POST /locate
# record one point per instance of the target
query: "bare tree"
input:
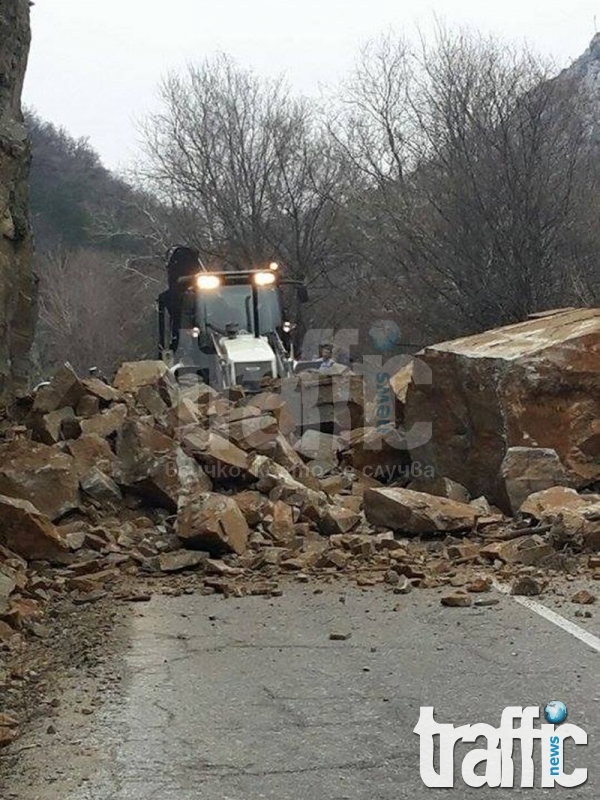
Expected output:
(471, 161)
(95, 310)
(243, 169)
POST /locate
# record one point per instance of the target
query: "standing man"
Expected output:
(325, 358)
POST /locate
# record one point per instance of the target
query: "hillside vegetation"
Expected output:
(452, 189)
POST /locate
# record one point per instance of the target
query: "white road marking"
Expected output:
(556, 619)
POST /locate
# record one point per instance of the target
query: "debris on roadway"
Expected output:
(137, 486)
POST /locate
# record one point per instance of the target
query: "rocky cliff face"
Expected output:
(17, 282)
(586, 69)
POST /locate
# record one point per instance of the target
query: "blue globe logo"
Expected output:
(555, 712)
(385, 335)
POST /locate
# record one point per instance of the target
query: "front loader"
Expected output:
(226, 328)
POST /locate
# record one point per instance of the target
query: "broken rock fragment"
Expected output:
(316, 445)
(526, 586)
(214, 523)
(416, 512)
(181, 559)
(457, 600)
(440, 487)
(526, 470)
(377, 452)
(102, 391)
(65, 389)
(275, 405)
(49, 427)
(254, 506)
(583, 597)
(28, 533)
(91, 451)
(253, 433)
(153, 466)
(99, 486)
(106, 422)
(574, 518)
(40, 474)
(133, 375)
(222, 460)
(337, 519)
(531, 550)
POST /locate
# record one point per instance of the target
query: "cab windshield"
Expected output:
(232, 305)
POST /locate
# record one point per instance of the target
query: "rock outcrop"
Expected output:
(586, 71)
(17, 282)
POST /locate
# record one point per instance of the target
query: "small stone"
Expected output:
(392, 577)
(526, 586)
(339, 636)
(457, 600)
(140, 597)
(404, 586)
(80, 598)
(181, 559)
(583, 598)
(7, 735)
(479, 585)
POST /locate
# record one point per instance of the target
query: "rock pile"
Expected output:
(111, 487)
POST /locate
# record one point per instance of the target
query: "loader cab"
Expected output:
(229, 309)
(226, 327)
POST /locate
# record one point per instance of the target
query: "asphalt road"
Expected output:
(242, 699)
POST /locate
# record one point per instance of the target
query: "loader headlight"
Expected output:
(208, 282)
(274, 266)
(264, 278)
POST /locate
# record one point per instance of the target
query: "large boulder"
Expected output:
(534, 384)
(17, 279)
(155, 467)
(324, 401)
(416, 512)
(40, 474)
(28, 533)
(213, 523)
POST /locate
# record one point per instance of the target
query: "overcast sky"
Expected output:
(95, 64)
